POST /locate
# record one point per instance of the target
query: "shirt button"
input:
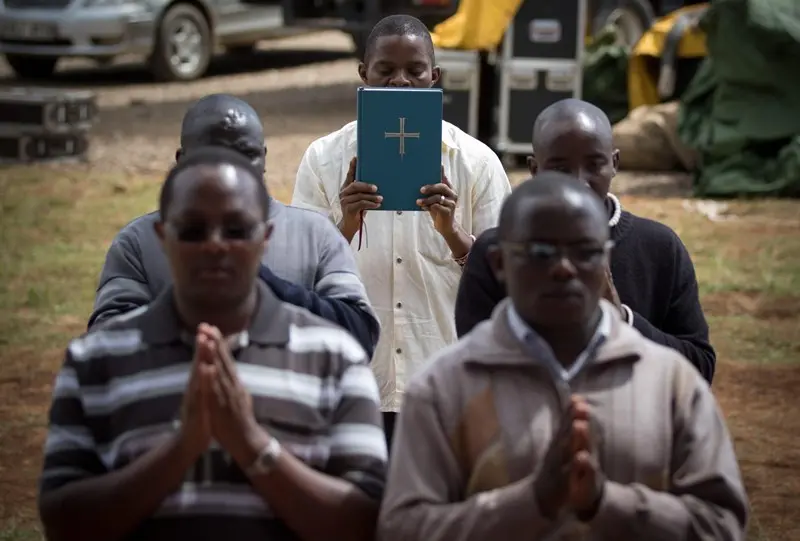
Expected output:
(399, 212)
(399, 304)
(399, 260)
(398, 351)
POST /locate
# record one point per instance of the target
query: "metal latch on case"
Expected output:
(456, 80)
(544, 31)
(523, 79)
(560, 80)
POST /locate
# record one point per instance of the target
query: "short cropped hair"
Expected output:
(214, 156)
(399, 25)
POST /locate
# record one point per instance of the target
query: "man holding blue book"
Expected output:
(410, 192)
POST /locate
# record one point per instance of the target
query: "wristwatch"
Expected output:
(266, 459)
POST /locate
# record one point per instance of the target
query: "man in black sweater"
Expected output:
(651, 278)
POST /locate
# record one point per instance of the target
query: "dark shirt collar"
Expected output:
(269, 325)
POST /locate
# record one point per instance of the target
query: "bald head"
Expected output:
(566, 115)
(575, 137)
(556, 192)
(226, 121)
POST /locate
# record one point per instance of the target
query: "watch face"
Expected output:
(266, 460)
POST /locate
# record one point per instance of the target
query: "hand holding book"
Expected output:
(440, 201)
(355, 198)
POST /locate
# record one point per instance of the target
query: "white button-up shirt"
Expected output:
(407, 268)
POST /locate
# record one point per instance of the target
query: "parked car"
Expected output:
(178, 37)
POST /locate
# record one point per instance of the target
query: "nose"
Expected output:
(563, 269)
(399, 80)
(214, 242)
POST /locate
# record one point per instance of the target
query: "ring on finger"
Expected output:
(442, 198)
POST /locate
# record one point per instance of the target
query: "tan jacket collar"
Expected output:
(493, 343)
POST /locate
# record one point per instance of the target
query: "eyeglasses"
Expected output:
(200, 232)
(547, 255)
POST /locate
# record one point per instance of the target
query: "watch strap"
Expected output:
(266, 459)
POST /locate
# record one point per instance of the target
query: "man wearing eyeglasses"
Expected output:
(308, 265)
(555, 419)
(217, 411)
(650, 277)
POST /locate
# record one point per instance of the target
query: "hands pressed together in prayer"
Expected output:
(217, 406)
(570, 476)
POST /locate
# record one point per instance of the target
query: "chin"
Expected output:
(571, 308)
(217, 298)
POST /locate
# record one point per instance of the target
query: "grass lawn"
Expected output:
(56, 224)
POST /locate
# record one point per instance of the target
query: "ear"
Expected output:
(178, 154)
(436, 74)
(533, 165)
(362, 72)
(268, 232)
(495, 258)
(159, 228)
(615, 160)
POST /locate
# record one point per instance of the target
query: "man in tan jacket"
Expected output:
(554, 419)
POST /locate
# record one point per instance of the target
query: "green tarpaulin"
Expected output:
(605, 75)
(742, 110)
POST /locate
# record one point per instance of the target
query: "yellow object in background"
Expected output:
(477, 25)
(668, 42)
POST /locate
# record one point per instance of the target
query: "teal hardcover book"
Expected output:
(399, 142)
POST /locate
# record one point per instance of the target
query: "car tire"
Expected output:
(631, 18)
(184, 45)
(32, 67)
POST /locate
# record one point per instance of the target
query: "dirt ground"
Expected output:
(302, 93)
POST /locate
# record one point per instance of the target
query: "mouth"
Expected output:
(215, 274)
(564, 295)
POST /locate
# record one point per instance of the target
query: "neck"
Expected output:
(228, 319)
(609, 206)
(569, 341)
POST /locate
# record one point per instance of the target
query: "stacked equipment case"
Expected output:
(460, 84)
(45, 124)
(540, 62)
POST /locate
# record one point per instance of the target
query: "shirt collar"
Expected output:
(269, 326)
(526, 335)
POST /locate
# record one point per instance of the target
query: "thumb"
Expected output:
(582, 464)
(351, 172)
(207, 351)
(207, 373)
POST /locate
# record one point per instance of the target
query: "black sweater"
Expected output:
(654, 277)
(345, 312)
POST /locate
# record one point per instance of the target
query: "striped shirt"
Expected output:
(119, 394)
